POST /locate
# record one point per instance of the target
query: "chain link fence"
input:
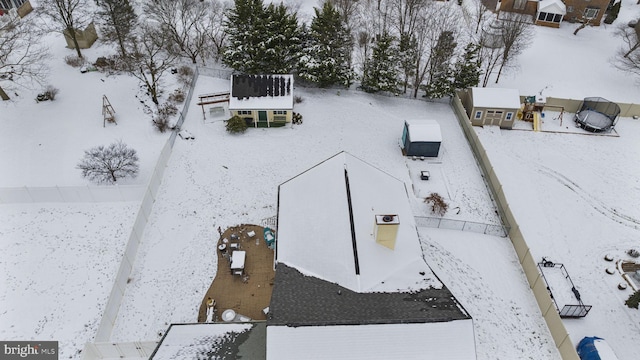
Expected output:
(450, 224)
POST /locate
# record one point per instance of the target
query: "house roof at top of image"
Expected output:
(326, 218)
(552, 6)
(495, 98)
(424, 130)
(222, 340)
(261, 92)
(300, 300)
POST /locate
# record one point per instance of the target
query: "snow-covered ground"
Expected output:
(574, 197)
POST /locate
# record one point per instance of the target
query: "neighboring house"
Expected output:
(23, 7)
(351, 282)
(553, 12)
(491, 106)
(421, 138)
(262, 100)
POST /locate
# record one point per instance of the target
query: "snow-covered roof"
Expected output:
(453, 340)
(552, 6)
(424, 130)
(495, 98)
(315, 228)
(261, 92)
(195, 341)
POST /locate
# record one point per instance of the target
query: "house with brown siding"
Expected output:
(553, 12)
(491, 106)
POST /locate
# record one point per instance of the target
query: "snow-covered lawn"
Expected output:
(575, 198)
(58, 264)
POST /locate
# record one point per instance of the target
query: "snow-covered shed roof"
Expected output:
(451, 340)
(495, 98)
(424, 130)
(326, 219)
(261, 92)
(200, 341)
(552, 6)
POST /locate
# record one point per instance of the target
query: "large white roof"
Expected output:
(424, 130)
(315, 231)
(453, 340)
(189, 341)
(282, 102)
(496, 98)
(552, 6)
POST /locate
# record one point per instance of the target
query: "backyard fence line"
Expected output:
(461, 225)
(71, 194)
(110, 314)
(537, 284)
(104, 350)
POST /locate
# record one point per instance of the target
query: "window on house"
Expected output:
(8, 4)
(280, 112)
(478, 115)
(591, 13)
(557, 18)
(519, 4)
(509, 116)
(244, 112)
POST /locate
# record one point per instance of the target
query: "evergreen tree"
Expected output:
(327, 56)
(262, 39)
(282, 45)
(118, 20)
(381, 70)
(467, 69)
(243, 28)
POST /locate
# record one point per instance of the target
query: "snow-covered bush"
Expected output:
(236, 125)
(438, 205)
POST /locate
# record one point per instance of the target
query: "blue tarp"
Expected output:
(587, 348)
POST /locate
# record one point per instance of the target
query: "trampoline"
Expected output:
(597, 114)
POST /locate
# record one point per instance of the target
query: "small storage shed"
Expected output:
(421, 138)
(493, 106)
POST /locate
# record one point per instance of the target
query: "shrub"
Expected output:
(185, 75)
(612, 15)
(298, 99)
(161, 120)
(236, 125)
(74, 60)
(438, 205)
(633, 300)
(50, 92)
(177, 96)
(161, 123)
(108, 164)
(167, 109)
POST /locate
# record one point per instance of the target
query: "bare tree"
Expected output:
(516, 33)
(108, 164)
(628, 57)
(585, 20)
(118, 20)
(21, 55)
(68, 14)
(216, 16)
(149, 59)
(185, 22)
(434, 20)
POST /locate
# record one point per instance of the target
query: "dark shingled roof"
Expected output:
(251, 344)
(300, 300)
(248, 86)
